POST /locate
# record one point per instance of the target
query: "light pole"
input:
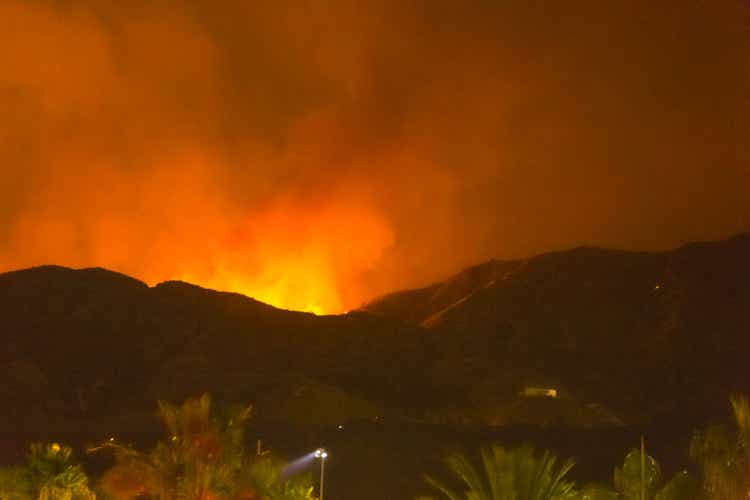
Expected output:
(322, 455)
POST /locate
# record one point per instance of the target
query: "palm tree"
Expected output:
(517, 474)
(639, 478)
(724, 455)
(49, 474)
(202, 458)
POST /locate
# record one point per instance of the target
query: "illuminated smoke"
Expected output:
(316, 156)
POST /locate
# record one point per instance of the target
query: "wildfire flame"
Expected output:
(301, 254)
(298, 257)
(317, 156)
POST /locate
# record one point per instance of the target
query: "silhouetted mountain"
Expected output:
(417, 306)
(626, 336)
(92, 342)
(645, 332)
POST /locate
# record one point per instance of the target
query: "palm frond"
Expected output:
(444, 489)
(507, 475)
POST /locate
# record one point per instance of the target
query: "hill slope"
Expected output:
(646, 329)
(638, 334)
(92, 342)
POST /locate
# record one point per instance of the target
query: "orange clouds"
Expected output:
(173, 223)
(315, 155)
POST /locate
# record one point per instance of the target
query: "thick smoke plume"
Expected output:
(316, 154)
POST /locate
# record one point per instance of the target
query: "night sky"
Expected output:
(315, 154)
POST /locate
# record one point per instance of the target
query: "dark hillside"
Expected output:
(625, 336)
(634, 343)
(417, 306)
(645, 333)
(92, 343)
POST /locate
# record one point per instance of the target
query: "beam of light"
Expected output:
(298, 465)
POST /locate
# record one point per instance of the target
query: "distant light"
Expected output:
(55, 447)
(548, 392)
(341, 427)
(321, 453)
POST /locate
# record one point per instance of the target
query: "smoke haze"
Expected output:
(316, 154)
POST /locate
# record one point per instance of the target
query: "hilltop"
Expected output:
(635, 336)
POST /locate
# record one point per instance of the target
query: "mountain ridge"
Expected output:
(642, 334)
(485, 273)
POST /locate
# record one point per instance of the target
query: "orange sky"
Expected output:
(314, 155)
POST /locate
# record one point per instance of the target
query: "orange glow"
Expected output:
(297, 256)
(314, 157)
(301, 254)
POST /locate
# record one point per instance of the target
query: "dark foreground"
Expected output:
(387, 460)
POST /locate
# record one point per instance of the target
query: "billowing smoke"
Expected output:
(315, 154)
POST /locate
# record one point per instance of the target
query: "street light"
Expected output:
(322, 455)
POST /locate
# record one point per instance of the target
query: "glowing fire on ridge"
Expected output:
(299, 257)
(300, 254)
